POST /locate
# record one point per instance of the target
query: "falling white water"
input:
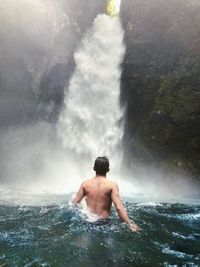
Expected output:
(118, 3)
(91, 123)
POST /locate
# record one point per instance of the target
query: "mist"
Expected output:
(37, 45)
(38, 40)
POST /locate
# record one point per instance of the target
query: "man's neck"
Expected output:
(100, 176)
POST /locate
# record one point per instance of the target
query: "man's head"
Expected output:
(101, 166)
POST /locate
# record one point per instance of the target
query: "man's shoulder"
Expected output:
(87, 181)
(108, 182)
(112, 183)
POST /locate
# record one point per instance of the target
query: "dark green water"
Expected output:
(59, 236)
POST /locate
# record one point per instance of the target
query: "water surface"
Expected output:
(59, 235)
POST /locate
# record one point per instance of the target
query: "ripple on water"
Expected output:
(185, 237)
(60, 236)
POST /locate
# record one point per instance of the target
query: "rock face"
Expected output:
(38, 39)
(161, 83)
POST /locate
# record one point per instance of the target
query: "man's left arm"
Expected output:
(80, 195)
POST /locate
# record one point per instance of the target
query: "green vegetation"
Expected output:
(161, 83)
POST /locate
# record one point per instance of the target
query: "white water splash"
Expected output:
(91, 121)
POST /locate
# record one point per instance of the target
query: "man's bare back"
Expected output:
(98, 196)
(100, 192)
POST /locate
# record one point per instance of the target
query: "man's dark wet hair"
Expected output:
(101, 165)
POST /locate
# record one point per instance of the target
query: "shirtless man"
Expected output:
(101, 192)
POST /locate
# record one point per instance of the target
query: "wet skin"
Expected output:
(99, 193)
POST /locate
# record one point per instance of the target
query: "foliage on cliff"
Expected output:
(161, 83)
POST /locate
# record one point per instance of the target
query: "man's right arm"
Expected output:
(121, 210)
(118, 204)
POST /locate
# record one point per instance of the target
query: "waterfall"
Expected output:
(91, 122)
